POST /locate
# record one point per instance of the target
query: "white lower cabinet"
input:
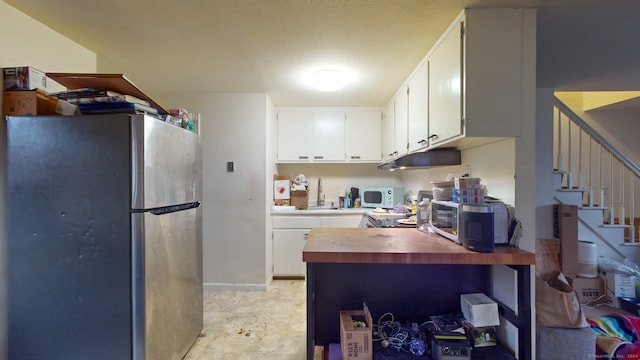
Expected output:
(287, 252)
(289, 237)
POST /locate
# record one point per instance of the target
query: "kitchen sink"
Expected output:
(316, 208)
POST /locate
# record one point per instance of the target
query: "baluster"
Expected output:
(621, 211)
(590, 193)
(580, 173)
(601, 204)
(569, 156)
(611, 191)
(559, 141)
(632, 216)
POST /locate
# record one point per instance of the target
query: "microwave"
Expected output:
(381, 197)
(449, 219)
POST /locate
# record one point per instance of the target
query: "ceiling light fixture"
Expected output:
(328, 80)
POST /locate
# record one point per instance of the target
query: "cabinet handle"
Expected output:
(301, 157)
(434, 136)
(422, 142)
(355, 157)
(306, 237)
(318, 157)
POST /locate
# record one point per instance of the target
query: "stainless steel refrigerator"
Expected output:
(104, 238)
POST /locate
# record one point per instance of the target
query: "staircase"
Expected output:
(602, 182)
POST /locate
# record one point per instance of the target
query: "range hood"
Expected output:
(424, 160)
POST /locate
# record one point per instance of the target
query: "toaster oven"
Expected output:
(448, 219)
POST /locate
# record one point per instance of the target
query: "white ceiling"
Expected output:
(267, 45)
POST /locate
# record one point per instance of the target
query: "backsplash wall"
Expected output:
(338, 177)
(494, 163)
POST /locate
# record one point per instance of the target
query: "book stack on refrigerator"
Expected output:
(93, 101)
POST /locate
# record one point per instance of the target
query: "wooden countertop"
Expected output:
(400, 246)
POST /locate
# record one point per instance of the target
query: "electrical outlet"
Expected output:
(231, 166)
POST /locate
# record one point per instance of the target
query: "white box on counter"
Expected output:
(618, 285)
(479, 310)
(467, 183)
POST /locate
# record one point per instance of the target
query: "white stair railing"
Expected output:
(615, 181)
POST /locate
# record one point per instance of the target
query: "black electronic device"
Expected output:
(450, 346)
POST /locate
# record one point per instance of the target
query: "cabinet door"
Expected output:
(287, 251)
(445, 85)
(328, 136)
(363, 141)
(295, 136)
(400, 123)
(388, 132)
(417, 109)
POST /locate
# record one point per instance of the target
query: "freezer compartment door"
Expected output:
(165, 161)
(167, 283)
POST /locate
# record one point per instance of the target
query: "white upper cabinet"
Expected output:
(417, 109)
(388, 131)
(294, 136)
(482, 73)
(364, 136)
(400, 127)
(328, 136)
(445, 84)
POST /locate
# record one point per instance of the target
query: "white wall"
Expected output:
(270, 158)
(233, 128)
(619, 127)
(26, 42)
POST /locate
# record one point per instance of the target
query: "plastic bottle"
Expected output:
(424, 215)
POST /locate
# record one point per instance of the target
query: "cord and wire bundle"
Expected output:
(395, 337)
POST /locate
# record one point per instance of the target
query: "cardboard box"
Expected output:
(565, 229)
(479, 310)
(356, 334)
(467, 183)
(587, 288)
(618, 285)
(468, 196)
(28, 78)
(281, 189)
(480, 336)
(28, 102)
(300, 199)
(631, 305)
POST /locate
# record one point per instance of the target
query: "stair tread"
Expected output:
(614, 226)
(572, 190)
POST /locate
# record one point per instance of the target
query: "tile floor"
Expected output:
(248, 325)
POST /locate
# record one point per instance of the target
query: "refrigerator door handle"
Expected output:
(171, 209)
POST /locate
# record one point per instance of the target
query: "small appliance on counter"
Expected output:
(477, 231)
(448, 219)
(381, 197)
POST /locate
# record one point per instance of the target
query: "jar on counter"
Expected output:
(424, 215)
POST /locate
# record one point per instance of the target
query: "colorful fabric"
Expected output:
(618, 336)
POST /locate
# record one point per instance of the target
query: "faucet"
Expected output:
(320, 199)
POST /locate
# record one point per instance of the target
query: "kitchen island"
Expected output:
(409, 273)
